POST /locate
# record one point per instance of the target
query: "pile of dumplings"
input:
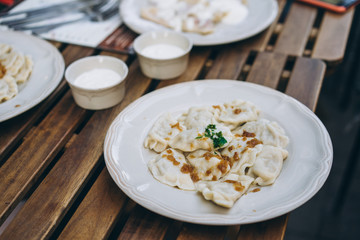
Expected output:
(250, 154)
(15, 69)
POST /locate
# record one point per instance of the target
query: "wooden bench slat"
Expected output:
(96, 215)
(333, 35)
(54, 196)
(267, 69)
(297, 27)
(306, 80)
(273, 229)
(27, 163)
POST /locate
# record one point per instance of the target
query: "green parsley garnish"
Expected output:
(217, 137)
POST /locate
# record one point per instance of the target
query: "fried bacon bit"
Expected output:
(186, 168)
(222, 166)
(168, 151)
(172, 159)
(2, 71)
(214, 178)
(253, 142)
(231, 148)
(177, 125)
(236, 156)
(245, 149)
(244, 139)
(237, 111)
(248, 134)
(237, 185)
(17, 105)
(255, 190)
(237, 135)
(208, 172)
(167, 139)
(216, 106)
(209, 155)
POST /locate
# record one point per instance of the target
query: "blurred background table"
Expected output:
(53, 179)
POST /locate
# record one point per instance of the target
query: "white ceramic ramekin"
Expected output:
(163, 68)
(100, 98)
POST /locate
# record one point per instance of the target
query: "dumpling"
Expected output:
(268, 165)
(171, 168)
(4, 48)
(164, 129)
(226, 191)
(270, 133)
(236, 112)
(24, 71)
(194, 139)
(8, 88)
(208, 165)
(198, 118)
(241, 153)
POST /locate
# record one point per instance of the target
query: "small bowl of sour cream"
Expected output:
(162, 55)
(97, 82)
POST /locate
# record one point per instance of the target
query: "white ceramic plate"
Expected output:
(303, 173)
(261, 14)
(47, 72)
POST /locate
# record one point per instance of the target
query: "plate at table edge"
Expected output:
(259, 18)
(47, 72)
(304, 171)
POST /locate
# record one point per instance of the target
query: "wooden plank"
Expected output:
(333, 34)
(14, 129)
(273, 229)
(143, 224)
(267, 68)
(228, 62)
(28, 162)
(294, 36)
(54, 196)
(306, 80)
(90, 223)
(199, 232)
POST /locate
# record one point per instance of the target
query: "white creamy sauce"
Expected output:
(162, 51)
(97, 78)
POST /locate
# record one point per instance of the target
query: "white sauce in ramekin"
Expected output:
(97, 78)
(162, 51)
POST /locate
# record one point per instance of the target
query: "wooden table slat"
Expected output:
(228, 63)
(201, 232)
(27, 163)
(96, 215)
(294, 35)
(270, 230)
(143, 224)
(306, 80)
(54, 196)
(267, 69)
(333, 35)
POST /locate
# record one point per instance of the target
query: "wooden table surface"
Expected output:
(53, 180)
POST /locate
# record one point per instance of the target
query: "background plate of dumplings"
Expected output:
(47, 72)
(304, 171)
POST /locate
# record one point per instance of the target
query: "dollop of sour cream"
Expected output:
(162, 51)
(97, 78)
